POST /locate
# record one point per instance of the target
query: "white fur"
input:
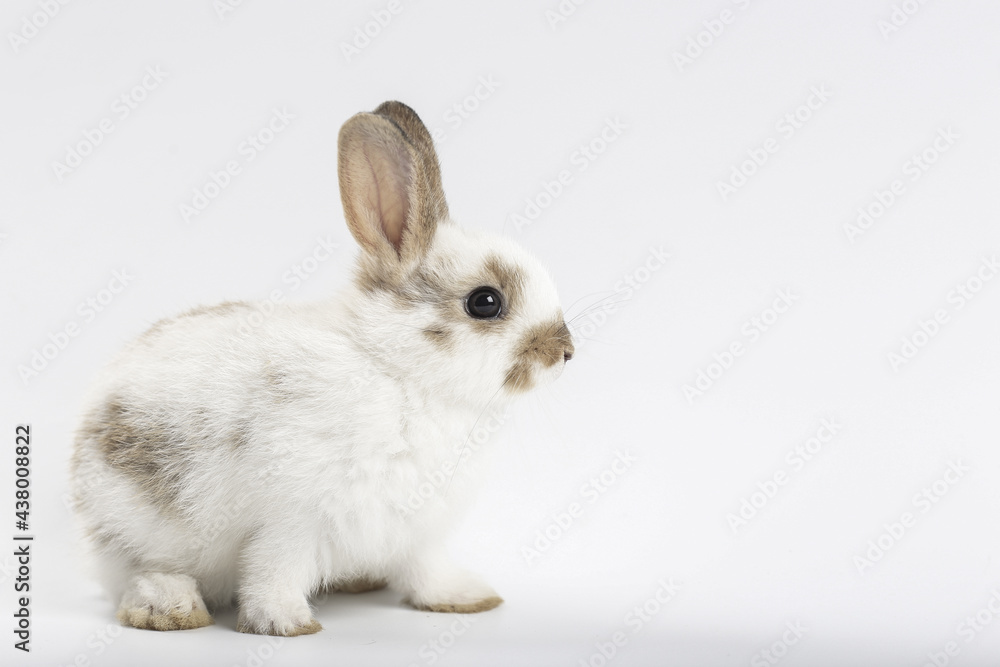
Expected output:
(366, 410)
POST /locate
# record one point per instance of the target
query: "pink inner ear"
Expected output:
(388, 190)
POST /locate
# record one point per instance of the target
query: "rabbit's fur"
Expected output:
(219, 464)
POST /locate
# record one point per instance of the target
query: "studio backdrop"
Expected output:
(772, 231)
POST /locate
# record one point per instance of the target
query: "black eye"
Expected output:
(483, 303)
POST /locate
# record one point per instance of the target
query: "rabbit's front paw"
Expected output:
(158, 601)
(289, 618)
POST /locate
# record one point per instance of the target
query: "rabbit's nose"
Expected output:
(565, 337)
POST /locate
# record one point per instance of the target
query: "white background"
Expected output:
(888, 95)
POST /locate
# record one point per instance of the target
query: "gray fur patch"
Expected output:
(141, 447)
(440, 335)
(278, 384)
(240, 438)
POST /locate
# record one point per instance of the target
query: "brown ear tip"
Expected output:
(390, 106)
(406, 119)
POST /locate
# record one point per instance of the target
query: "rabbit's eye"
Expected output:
(483, 303)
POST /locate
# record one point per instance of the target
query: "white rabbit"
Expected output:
(218, 463)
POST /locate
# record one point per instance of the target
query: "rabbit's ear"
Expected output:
(391, 203)
(414, 129)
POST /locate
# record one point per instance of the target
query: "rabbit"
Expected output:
(218, 463)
